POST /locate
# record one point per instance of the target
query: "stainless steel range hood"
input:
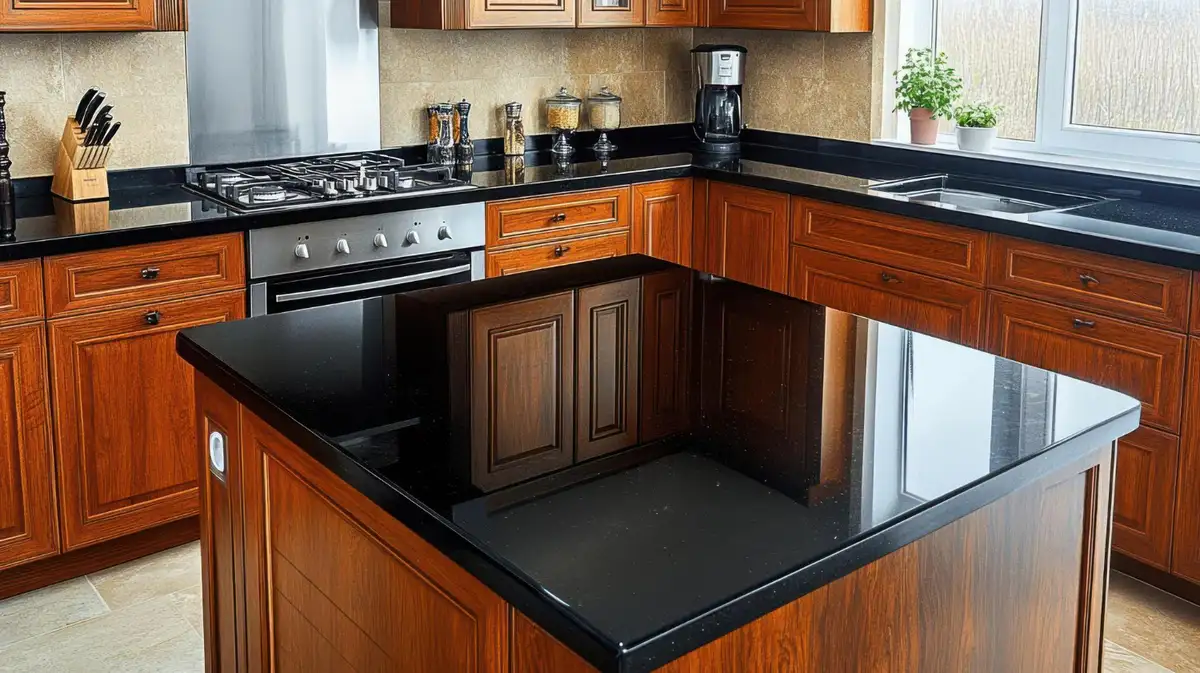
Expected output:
(269, 79)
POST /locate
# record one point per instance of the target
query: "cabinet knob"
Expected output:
(1080, 322)
(150, 273)
(153, 318)
(889, 278)
(1088, 280)
(559, 217)
(561, 250)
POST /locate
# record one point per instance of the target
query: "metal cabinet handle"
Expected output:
(1088, 279)
(888, 278)
(150, 273)
(1080, 322)
(153, 318)
(560, 217)
(561, 250)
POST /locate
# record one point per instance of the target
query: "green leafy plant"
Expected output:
(927, 81)
(979, 115)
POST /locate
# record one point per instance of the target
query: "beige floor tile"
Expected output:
(190, 604)
(45, 610)
(181, 654)
(150, 577)
(1153, 624)
(107, 643)
(1117, 659)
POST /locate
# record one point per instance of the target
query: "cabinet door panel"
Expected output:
(932, 306)
(83, 15)
(125, 428)
(782, 14)
(666, 340)
(672, 12)
(28, 514)
(522, 389)
(599, 13)
(662, 220)
(520, 13)
(1144, 495)
(1185, 554)
(21, 291)
(609, 323)
(1139, 361)
(546, 255)
(748, 235)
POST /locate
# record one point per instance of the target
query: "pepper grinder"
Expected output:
(464, 150)
(8, 201)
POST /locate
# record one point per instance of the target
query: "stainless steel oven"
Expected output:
(325, 262)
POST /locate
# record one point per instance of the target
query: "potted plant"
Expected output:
(927, 88)
(975, 126)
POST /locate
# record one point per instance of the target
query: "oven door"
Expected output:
(290, 293)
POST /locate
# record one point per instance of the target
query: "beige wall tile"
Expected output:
(681, 97)
(668, 49)
(125, 64)
(34, 128)
(644, 95)
(31, 66)
(598, 51)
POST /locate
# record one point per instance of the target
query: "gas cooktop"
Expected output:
(276, 185)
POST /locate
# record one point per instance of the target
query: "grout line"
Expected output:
(88, 579)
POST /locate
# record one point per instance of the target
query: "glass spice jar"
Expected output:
(562, 116)
(514, 130)
(604, 115)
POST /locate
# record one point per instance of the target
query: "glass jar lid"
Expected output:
(563, 99)
(605, 95)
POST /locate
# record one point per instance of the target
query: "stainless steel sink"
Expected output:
(948, 191)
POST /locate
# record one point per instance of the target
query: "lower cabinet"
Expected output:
(1185, 554)
(606, 379)
(929, 305)
(547, 255)
(124, 427)
(28, 512)
(746, 235)
(1144, 495)
(662, 220)
(666, 363)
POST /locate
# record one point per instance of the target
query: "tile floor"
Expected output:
(144, 617)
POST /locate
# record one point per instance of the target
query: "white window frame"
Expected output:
(1056, 133)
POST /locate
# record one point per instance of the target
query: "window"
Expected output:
(1078, 77)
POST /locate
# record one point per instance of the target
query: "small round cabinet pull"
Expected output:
(1080, 322)
(888, 278)
(150, 273)
(560, 217)
(153, 318)
(1088, 279)
(561, 250)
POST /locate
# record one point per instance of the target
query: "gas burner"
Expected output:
(267, 194)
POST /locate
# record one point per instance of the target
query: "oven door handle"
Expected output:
(373, 285)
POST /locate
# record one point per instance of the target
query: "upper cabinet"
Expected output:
(596, 13)
(92, 15)
(831, 16)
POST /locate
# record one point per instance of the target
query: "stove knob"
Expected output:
(302, 251)
(343, 247)
(444, 233)
(380, 240)
(411, 238)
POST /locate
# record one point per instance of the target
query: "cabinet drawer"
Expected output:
(1125, 288)
(569, 251)
(932, 306)
(20, 291)
(926, 247)
(523, 221)
(127, 276)
(1140, 361)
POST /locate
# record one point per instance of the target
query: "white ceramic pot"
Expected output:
(975, 139)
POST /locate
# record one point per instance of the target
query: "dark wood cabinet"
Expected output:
(666, 353)
(28, 512)
(747, 235)
(1143, 362)
(93, 15)
(1185, 551)
(672, 12)
(1144, 495)
(836, 16)
(21, 292)
(929, 305)
(546, 231)
(662, 220)
(124, 427)
(607, 373)
(547, 255)
(522, 384)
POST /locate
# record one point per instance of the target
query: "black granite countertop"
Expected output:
(636, 558)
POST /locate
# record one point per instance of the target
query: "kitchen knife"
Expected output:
(90, 112)
(97, 132)
(83, 103)
(106, 110)
(108, 135)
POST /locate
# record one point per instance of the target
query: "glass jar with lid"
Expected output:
(562, 116)
(514, 130)
(604, 115)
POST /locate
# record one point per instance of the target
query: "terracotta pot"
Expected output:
(923, 127)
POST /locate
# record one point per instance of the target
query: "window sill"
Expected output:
(1173, 173)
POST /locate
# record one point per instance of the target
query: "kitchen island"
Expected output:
(624, 465)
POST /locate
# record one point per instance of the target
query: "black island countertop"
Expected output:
(1138, 219)
(674, 542)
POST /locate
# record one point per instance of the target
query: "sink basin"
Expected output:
(949, 191)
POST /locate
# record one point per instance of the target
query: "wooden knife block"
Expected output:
(80, 173)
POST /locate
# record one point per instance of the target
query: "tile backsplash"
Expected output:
(143, 74)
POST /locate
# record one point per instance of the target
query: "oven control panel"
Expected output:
(352, 241)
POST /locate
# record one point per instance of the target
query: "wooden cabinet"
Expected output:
(608, 358)
(522, 389)
(662, 220)
(929, 305)
(836, 16)
(747, 235)
(21, 291)
(672, 13)
(666, 353)
(28, 512)
(610, 13)
(93, 15)
(1140, 361)
(548, 255)
(1144, 495)
(460, 14)
(536, 233)
(123, 423)
(1185, 554)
